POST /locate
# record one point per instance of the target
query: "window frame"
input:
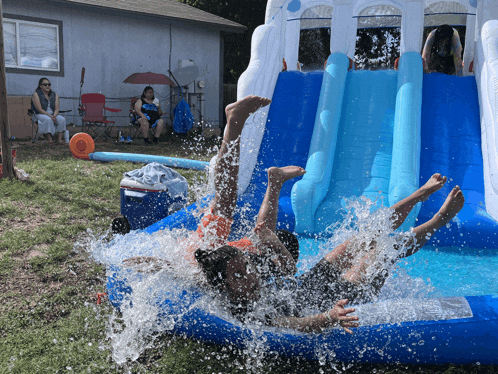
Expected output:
(33, 70)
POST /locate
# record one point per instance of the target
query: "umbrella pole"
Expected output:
(80, 107)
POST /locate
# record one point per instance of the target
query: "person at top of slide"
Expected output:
(442, 51)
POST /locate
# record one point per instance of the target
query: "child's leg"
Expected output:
(404, 207)
(452, 205)
(227, 168)
(343, 258)
(227, 164)
(268, 212)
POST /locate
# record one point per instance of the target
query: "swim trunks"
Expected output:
(315, 291)
(323, 285)
(214, 230)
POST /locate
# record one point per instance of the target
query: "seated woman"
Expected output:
(45, 105)
(148, 112)
(442, 51)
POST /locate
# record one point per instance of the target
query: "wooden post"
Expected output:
(8, 167)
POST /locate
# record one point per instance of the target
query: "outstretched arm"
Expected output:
(457, 53)
(319, 322)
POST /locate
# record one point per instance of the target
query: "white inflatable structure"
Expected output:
(388, 128)
(278, 39)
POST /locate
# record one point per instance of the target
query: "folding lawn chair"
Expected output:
(134, 125)
(34, 124)
(94, 119)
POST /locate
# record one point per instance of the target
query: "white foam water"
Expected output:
(141, 319)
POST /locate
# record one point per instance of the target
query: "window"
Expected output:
(32, 45)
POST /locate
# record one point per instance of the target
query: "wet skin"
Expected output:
(242, 280)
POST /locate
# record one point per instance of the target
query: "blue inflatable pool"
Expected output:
(447, 329)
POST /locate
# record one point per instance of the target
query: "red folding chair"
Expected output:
(94, 119)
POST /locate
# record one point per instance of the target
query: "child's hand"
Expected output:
(339, 315)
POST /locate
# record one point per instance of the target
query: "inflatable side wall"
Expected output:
(487, 81)
(405, 166)
(260, 78)
(308, 193)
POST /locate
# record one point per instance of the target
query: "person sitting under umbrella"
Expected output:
(148, 111)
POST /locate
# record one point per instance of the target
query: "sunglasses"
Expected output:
(46, 84)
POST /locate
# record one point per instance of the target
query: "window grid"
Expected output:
(18, 45)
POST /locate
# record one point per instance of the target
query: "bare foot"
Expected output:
(281, 175)
(452, 205)
(435, 183)
(238, 112)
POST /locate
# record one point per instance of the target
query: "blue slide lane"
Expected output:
(451, 145)
(362, 160)
(353, 144)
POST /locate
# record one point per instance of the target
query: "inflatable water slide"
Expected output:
(378, 134)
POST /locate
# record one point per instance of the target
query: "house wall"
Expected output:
(112, 45)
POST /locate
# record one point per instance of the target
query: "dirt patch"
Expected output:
(25, 284)
(33, 218)
(34, 253)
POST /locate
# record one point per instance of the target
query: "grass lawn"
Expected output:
(50, 321)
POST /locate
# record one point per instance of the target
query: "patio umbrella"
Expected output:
(148, 79)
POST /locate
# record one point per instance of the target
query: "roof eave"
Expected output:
(239, 29)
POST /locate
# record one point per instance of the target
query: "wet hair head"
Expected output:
(289, 240)
(214, 264)
(443, 39)
(147, 88)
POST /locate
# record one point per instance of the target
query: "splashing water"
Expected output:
(430, 272)
(142, 317)
(369, 234)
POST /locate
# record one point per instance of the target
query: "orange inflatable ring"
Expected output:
(81, 145)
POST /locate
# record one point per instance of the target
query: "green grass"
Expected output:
(49, 319)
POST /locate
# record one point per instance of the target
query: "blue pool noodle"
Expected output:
(137, 157)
